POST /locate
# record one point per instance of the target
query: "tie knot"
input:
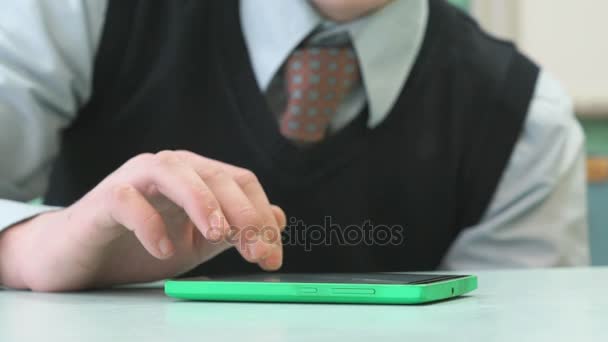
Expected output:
(318, 80)
(323, 66)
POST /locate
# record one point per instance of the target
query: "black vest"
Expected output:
(175, 74)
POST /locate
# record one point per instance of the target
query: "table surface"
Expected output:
(523, 305)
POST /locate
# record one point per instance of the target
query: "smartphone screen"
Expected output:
(340, 278)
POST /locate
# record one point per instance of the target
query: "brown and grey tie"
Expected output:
(317, 80)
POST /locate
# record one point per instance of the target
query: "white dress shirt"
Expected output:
(537, 217)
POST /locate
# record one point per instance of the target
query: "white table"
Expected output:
(534, 305)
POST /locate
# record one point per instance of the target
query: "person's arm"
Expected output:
(157, 216)
(47, 50)
(538, 217)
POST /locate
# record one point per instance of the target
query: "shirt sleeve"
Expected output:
(47, 52)
(538, 216)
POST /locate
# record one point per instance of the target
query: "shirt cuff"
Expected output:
(12, 212)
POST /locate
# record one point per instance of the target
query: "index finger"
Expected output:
(271, 227)
(271, 230)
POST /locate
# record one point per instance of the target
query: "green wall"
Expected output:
(597, 136)
(596, 131)
(464, 4)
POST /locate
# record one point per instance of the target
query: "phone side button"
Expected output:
(307, 290)
(353, 291)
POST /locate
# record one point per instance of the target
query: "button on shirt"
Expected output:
(537, 217)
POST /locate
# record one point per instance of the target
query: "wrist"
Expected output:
(13, 246)
(20, 254)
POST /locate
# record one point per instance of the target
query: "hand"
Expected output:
(156, 217)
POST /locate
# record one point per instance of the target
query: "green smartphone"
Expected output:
(360, 288)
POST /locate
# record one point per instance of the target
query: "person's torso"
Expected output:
(176, 75)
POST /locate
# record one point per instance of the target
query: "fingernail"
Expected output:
(258, 251)
(166, 247)
(247, 251)
(215, 223)
(267, 250)
(215, 235)
(274, 262)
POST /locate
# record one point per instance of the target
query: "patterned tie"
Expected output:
(318, 80)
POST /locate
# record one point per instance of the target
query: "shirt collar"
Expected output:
(387, 43)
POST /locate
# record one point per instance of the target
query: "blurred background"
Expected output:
(570, 40)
